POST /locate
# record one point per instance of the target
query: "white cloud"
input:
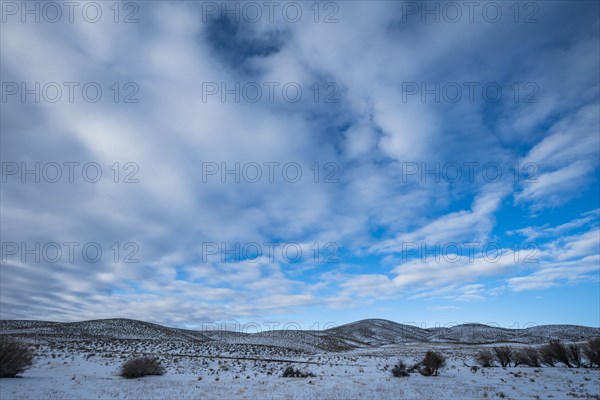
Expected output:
(371, 211)
(564, 160)
(532, 233)
(570, 259)
(462, 226)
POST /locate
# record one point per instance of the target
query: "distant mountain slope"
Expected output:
(378, 332)
(479, 333)
(572, 333)
(361, 334)
(473, 333)
(104, 328)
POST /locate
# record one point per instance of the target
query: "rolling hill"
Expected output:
(370, 333)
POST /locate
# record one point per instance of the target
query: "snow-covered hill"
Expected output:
(83, 359)
(361, 334)
(104, 328)
(378, 332)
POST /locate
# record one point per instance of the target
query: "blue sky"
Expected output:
(333, 162)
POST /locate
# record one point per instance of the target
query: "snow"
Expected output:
(82, 360)
(339, 376)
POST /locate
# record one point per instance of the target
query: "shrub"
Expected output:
(574, 354)
(141, 366)
(485, 358)
(291, 372)
(560, 352)
(503, 354)
(15, 357)
(415, 368)
(592, 352)
(399, 370)
(547, 356)
(555, 352)
(526, 356)
(432, 362)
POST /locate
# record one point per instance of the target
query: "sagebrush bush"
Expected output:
(291, 372)
(399, 370)
(15, 357)
(431, 363)
(485, 358)
(141, 366)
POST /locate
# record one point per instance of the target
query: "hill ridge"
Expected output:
(366, 333)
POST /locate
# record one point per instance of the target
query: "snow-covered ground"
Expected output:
(81, 360)
(72, 370)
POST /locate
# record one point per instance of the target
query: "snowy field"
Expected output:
(72, 370)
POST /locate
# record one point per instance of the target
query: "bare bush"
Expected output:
(399, 370)
(15, 357)
(591, 350)
(141, 366)
(291, 372)
(574, 354)
(555, 352)
(526, 356)
(560, 352)
(547, 355)
(503, 354)
(485, 358)
(415, 368)
(431, 363)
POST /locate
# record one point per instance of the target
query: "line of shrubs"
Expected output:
(430, 365)
(572, 355)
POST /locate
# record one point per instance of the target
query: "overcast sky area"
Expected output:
(306, 163)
